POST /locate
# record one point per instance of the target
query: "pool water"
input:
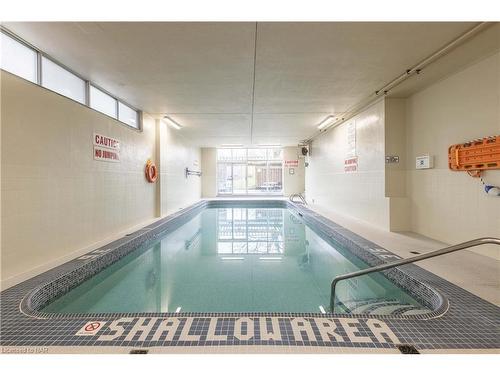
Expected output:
(237, 260)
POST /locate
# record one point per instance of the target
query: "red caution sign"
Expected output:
(106, 148)
(351, 164)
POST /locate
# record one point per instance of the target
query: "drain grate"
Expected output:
(415, 252)
(408, 349)
(138, 351)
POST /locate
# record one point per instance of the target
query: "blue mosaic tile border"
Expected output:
(458, 320)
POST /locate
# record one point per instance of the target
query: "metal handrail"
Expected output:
(299, 196)
(432, 254)
(189, 172)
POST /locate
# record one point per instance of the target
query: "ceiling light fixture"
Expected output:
(172, 123)
(270, 145)
(231, 145)
(326, 122)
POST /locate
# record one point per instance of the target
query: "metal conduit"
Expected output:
(416, 69)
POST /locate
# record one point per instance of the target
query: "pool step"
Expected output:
(382, 307)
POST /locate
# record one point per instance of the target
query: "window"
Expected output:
(18, 59)
(102, 102)
(62, 81)
(250, 231)
(249, 171)
(127, 115)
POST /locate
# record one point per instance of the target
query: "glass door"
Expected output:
(256, 177)
(274, 182)
(256, 171)
(224, 179)
(239, 179)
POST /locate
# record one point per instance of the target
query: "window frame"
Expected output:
(232, 161)
(40, 70)
(87, 82)
(30, 47)
(115, 104)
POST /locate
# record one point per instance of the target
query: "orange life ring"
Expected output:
(151, 171)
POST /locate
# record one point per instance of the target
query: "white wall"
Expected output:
(293, 183)
(395, 173)
(58, 202)
(209, 170)
(445, 205)
(177, 191)
(360, 194)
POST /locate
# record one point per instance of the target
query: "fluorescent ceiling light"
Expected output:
(228, 145)
(326, 122)
(172, 123)
(270, 145)
(270, 258)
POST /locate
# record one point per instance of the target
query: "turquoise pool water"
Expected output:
(236, 260)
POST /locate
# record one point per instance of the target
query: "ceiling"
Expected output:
(251, 83)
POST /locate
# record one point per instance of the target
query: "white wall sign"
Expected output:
(351, 139)
(424, 162)
(106, 148)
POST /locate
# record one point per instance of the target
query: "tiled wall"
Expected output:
(445, 205)
(56, 200)
(177, 191)
(209, 165)
(360, 194)
(293, 183)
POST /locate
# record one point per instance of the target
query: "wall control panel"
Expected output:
(424, 162)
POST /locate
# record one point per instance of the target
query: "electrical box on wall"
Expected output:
(304, 151)
(424, 162)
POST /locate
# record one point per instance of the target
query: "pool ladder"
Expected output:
(401, 262)
(300, 196)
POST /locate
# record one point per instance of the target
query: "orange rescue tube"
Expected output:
(151, 171)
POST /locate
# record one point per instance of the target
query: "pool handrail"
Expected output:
(300, 196)
(401, 262)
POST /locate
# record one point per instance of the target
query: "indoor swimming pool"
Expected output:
(237, 258)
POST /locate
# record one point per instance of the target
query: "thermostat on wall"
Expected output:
(424, 162)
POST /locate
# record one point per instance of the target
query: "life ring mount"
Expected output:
(151, 171)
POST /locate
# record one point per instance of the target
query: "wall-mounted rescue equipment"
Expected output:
(151, 171)
(475, 156)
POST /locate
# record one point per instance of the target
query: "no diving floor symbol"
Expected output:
(90, 328)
